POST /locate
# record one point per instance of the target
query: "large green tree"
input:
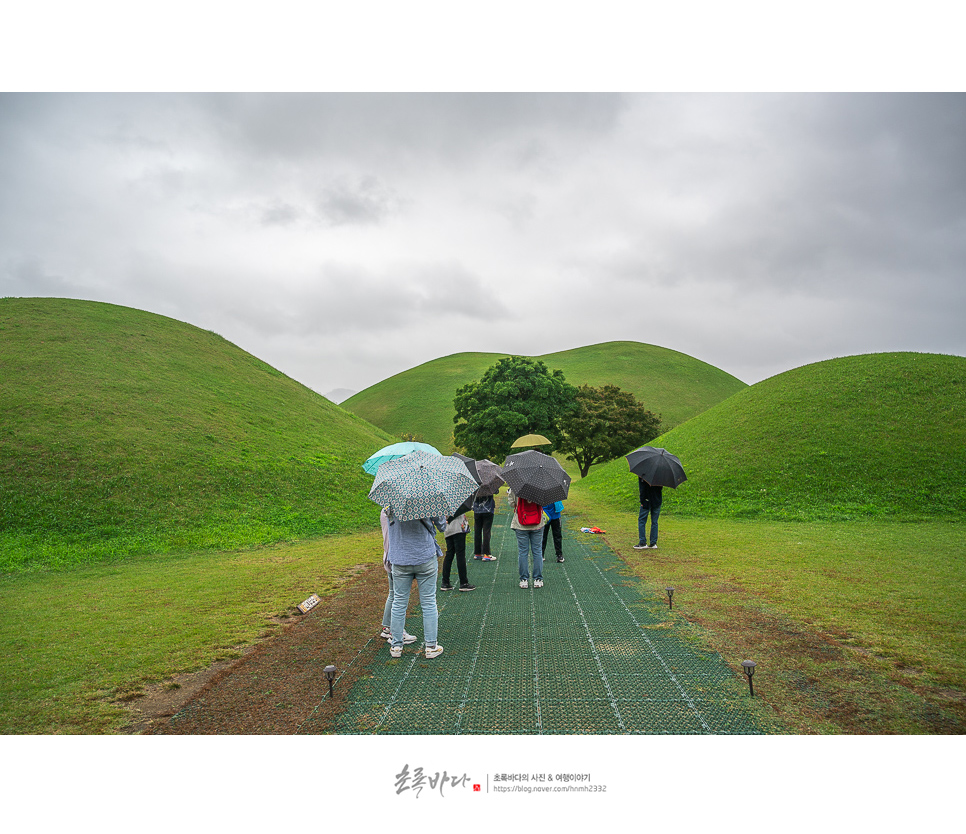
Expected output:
(605, 423)
(516, 396)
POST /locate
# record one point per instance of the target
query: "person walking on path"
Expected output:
(414, 554)
(387, 610)
(484, 508)
(650, 506)
(456, 530)
(529, 534)
(553, 511)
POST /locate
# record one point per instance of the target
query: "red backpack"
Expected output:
(528, 513)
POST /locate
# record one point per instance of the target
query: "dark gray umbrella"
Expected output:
(491, 477)
(470, 464)
(536, 477)
(656, 466)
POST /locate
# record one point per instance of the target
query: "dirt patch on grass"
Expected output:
(277, 686)
(816, 681)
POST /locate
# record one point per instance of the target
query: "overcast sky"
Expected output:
(344, 238)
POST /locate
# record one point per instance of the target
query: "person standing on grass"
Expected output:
(386, 633)
(553, 511)
(484, 508)
(529, 538)
(414, 554)
(650, 507)
(456, 530)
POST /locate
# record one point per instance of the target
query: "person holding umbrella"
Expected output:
(419, 491)
(484, 508)
(414, 554)
(529, 537)
(455, 533)
(534, 480)
(387, 609)
(655, 468)
(651, 497)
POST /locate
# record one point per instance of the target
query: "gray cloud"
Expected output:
(346, 237)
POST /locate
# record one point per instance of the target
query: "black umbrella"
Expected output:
(656, 466)
(536, 477)
(470, 464)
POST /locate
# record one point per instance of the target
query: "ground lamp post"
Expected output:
(749, 667)
(329, 676)
(670, 598)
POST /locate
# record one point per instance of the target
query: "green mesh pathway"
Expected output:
(587, 653)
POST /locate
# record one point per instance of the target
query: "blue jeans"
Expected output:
(530, 541)
(387, 611)
(402, 582)
(645, 511)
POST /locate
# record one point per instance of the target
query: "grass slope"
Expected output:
(877, 435)
(420, 400)
(125, 432)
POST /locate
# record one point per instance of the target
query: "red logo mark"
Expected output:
(476, 787)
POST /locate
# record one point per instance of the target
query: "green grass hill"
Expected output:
(420, 401)
(124, 432)
(878, 435)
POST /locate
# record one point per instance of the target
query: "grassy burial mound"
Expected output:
(125, 432)
(879, 435)
(420, 401)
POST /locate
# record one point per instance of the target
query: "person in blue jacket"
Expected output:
(553, 512)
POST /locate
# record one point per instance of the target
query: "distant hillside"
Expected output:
(420, 401)
(873, 435)
(125, 432)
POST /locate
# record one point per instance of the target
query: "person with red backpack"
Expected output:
(527, 523)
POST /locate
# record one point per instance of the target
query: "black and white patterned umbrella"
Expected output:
(536, 477)
(422, 485)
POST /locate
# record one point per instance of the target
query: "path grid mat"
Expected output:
(585, 654)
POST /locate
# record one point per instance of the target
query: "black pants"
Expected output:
(455, 546)
(553, 525)
(482, 524)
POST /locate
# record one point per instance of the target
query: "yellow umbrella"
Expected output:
(530, 440)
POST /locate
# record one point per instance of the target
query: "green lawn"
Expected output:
(887, 597)
(73, 642)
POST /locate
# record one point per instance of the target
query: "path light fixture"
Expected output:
(670, 598)
(749, 667)
(329, 676)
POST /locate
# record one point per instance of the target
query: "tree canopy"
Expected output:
(605, 423)
(516, 396)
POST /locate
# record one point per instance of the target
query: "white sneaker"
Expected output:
(435, 651)
(537, 583)
(395, 651)
(524, 583)
(407, 637)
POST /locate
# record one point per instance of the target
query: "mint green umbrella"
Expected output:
(397, 450)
